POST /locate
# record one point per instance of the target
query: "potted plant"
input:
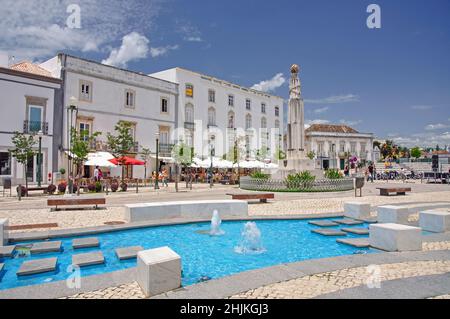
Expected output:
(114, 186)
(123, 186)
(62, 187)
(91, 187)
(23, 191)
(98, 187)
(51, 189)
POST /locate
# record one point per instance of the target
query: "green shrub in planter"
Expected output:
(51, 189)
(303, 180)
(333, 174)
(91, 187)
(259, 175)
(98, 187)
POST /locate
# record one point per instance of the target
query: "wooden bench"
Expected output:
(263, 197)
(76, 201)
(385, 191)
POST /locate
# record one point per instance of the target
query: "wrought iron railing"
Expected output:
(279, 185)
(33, 127)
(165, 149)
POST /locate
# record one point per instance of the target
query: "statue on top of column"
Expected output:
(294, 85)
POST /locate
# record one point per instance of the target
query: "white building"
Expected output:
(332, 144)
(106, 95)
(210, 107)
(27, 105)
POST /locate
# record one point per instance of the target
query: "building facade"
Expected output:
(215, 113)
(104, 96)
(332, 144)
(28, 106)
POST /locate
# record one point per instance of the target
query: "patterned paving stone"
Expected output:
(355, 242)
(329, 232)
(323, 223)
(348, 221)
(356, 230)
(46, 247)
(7, 251)
(37, 266)
(88, 259)
(128, 252)
(85, 242)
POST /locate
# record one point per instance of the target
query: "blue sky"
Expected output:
(393, 81)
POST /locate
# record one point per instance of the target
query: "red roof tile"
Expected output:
(26, 66)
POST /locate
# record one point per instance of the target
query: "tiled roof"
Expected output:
(26, 66)
(329, 128)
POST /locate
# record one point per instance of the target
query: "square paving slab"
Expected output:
(85, 242)
(46, 247)
(323, 223)
(348, 221)
(356, 230)
(355, 242)
(7, 251)
(88, 259)
(329, 232)
(37, 266)
(128, 252)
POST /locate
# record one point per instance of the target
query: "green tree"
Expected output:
(145, 156)
(183, 155)
(311, 155)
(23, 151)
(416, 152)
(262, 153)
(81, 142)
(122, 143)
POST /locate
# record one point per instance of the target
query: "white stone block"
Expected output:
(4, 231)
(188, 209)
(356, 210)
(393, 214)
(435, 221)
(158, 270)
(395, 237)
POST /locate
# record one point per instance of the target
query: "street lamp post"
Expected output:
(39, 158)
(71, 109)
(211, 179)
(157, 161)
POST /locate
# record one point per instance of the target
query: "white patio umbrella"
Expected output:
(100, 159)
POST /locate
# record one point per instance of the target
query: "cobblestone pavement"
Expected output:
(127, 291)
(436, 245)
(319, 284)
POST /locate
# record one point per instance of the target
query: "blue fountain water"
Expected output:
(203, 255)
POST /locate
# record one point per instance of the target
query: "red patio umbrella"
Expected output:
(125, 160)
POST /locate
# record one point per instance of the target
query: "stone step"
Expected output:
(356, 230)
(370, 220)
(348, 221)
(323, 223)
(329, 232)
(7, 251)
(355, 242)
(85, 243)
(46, 247)
(128, 252)
(87, 259)
(37, 266)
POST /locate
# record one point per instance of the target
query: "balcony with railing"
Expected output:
(165, 149)
(33, 127)
(189, 125)
(102, 146)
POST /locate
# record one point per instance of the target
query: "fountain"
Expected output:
(215, 224)
(251, 240)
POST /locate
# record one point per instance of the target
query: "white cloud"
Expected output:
(317, 121)
(335, 99)
(190, 33)
(438, 126)
(321, 110)
(155, 52)
(425, 139)
(270, 85)
(421, 107)
(350, 123)
(38, 30)
(134, 47)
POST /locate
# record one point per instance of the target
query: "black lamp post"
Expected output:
(71, 109)
(211, 179)
(157, 161)
(39, 159)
